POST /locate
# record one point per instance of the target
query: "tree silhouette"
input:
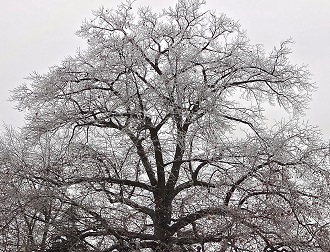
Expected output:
(156, 138)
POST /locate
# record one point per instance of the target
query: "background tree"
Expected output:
(160, 139)
(33, 218)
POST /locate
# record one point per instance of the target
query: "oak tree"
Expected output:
(156, 139)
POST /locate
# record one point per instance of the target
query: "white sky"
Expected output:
(37, 34)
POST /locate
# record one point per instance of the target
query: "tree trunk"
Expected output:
(163, 213)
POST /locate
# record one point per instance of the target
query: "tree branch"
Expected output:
(184, 221)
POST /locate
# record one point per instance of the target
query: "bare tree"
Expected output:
(32, 213)
(166, 145)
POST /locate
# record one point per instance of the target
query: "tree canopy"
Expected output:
(155, 138)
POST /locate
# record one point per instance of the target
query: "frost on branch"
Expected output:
(140, 137)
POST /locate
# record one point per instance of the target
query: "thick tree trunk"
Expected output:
(163, 213)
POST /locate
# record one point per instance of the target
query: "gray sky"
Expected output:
(37, 34)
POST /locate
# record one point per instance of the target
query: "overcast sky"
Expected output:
(38, 34)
